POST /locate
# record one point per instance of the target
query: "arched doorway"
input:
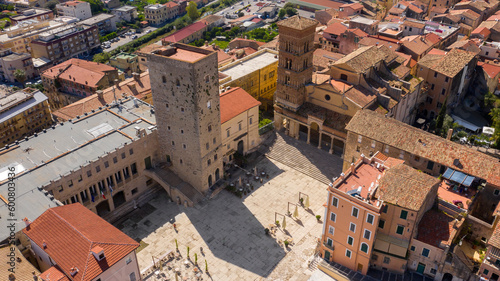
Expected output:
(240, 147)
(447, 277)
(103, 208)
(217, 176)
(314, 134)
(343, 77)
(210, 181)
(119, 199)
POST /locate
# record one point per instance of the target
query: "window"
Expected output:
(331, 230)
(134, 191)
(335, 201)
(214, 140)
(387, 260)
(209, 162)
(129, 260)
(400, 229)
(173, 142)
(496, 192)
(207, 145)
(370, 218)
(80, 177)
(384, 208)
(123, 155)
(228, 132)
(386, 149)
(333, 217)
(215, 157)
(184, 146)
(412, 248)
(250, 120)
(486, 271)
(354, 212)
(166, 105)
(350, 240)
(182, 131)
(425, 252)
(404, 214)
(177, 83)
(446, 79)
(180, 161)
(164, 79)
(401, 154)
(132, 276)
(352, 227)
(360, 138)
(373, 144)
(70, 182)
(367, 235)
(209, 128)
(381, 223)
(126, 173)
(430, 165)
(443, 91)
(209, 104)
(97, 169)
(89, 174)
(348, 253)
(364, 248)
(168, 128)
(133, 168)
(115, 160)
(60, 188)
(182, 109)
(207, 78)
(432, 86)
(486, 53)
(435, 74)
(439, 105)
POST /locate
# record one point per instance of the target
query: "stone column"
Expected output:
(319, 143)
(331, 146)
(297, 130)
(278, 121)
(308, 134)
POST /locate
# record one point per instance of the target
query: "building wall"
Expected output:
(127, 16)
(81, 11)
(339, 231)
(122, 269)
(128, 65)
(184, 117)
(488, 267)
(431, 262)
(91, 179)
(43, 259)
(26, 123)
(233, 133)
(9, 66)
(336, 103)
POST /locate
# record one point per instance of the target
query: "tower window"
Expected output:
(182, 131)
(164, 79)
(209, 162)
(207, 145)
(182, 109)
(209, 104)
(207, 78)
(166, 105)
(184, 146)
(177, 83)
(287, 80)
(173, 143)
(209, 128)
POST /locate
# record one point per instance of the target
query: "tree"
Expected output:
(51, 4)
(192, 11)
(282, 13)
(20, 76)
(440, 117)
(101, 58)
(291, 11)
(240, 14)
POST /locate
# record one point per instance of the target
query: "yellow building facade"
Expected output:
(23, 113)
(255, 73)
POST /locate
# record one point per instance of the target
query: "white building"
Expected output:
(77, 9)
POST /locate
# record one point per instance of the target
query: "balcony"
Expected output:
(330, 247)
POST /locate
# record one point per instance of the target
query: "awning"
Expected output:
(458, 177)
(465, 124)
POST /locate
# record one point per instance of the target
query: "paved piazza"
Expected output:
(231, 229)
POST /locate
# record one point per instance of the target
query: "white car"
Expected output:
(149, 31)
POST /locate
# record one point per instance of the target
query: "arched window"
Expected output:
(209, 162)
(217, 174)
(210, 180)
(364, 247)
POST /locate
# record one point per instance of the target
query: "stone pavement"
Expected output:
(304, 158)
(231, 229)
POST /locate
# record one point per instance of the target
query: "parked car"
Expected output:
(149, 31)
(123, 36)
(134, 37)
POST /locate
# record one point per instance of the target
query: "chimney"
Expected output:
(117, 82)
(100, 94)
(450, 133)
(44, 244)
(353, 168)
(27, 221)
(342, 176)
(137, 76)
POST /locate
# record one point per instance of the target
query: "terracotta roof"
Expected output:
(450, 64)
(185, 32)
(466, 45)
(406, 187)
(426, 145)
(358, 32)
(70, 231)
(415, 24)
(466, 12)
(23, 268)
(129, 87)
(365, 57)
(485, 32)
(53, 274)
(243, 18)
(437, 228)
(148, 49)
(417, 44)
(72, 3)
(374, 41)
(221, 55)
(435, 51)
(298, 22)
(210, 19)
(439, 10)
(80, 71)
(490, 68)
(170, 4)
(355, 6)
(234, 102)
(495, 237)
(396, 11)
(323, 58)
(360, 96)
(335, 28)
(434, 38)
(415, 8)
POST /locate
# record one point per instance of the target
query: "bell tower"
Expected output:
(295, 66)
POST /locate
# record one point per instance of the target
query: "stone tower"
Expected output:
(295, 66)
(185, 87)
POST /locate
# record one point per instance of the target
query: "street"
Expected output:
(128, 38)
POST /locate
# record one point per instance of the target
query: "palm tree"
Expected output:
(20, 76)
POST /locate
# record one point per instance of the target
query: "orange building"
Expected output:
(372, 212)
